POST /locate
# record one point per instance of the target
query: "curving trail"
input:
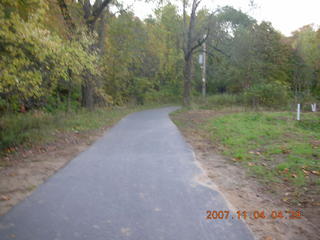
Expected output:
(136, 182)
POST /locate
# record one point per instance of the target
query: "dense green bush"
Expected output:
(162, 96)
(270, 95)
(305, 98)
(225, 100)
(38, 126)
(16, 128)
(219, 101)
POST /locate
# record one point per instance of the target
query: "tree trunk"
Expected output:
(66, 16)
(91, 15)
(102, 33)
(87, 94)
(69, 91)
(187, 74)
(69, 101)
(188, 49)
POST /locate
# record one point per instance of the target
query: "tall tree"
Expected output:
(190, 44)
(91, 14)
(306, 42)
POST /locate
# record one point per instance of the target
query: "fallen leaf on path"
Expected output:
(285, 150)
(316, 172)
(4, 198)
(268, 238)
(285, 199)
(305, 172)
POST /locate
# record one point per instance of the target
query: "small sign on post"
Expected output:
(298, 112)
(201, 59)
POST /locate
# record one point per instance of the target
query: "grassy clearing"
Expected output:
(272, 145)
(267, 102)
(218, 101)
(38, 126)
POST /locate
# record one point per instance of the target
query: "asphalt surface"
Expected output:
(136, 182)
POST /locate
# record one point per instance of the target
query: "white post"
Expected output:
(298, 112)
(314, 107)
(204, 68)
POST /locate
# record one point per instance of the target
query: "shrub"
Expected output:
(271, 95)
(219, 100)
(224, 100)
(18, 128)
(162, 96)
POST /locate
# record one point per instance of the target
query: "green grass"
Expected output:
(38, 126)
(273, 145)
(219, 101)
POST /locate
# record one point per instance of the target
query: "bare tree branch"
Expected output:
(201, 41)
(220, 51)
(66, 15)
(97, 12)
(121, 9)
(184, 27)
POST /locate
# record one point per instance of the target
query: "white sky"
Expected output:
(285, 15)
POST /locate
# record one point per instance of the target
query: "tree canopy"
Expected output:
(67, 53)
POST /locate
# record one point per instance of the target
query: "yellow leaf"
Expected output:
(4, 198)
(285, 199)
(316, 172)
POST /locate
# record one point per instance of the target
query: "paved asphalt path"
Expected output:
(136, 182)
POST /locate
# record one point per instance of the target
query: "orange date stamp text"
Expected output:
(254, 215)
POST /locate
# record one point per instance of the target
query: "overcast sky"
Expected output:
(285, 15)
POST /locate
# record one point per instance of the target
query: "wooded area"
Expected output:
(64, 54)
(71, 69)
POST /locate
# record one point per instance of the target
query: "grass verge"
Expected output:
(273, 146)
(26, 129)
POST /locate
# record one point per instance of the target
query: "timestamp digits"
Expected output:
(254, 215)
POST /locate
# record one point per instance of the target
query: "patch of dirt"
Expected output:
(244, 192)
(26, 168)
